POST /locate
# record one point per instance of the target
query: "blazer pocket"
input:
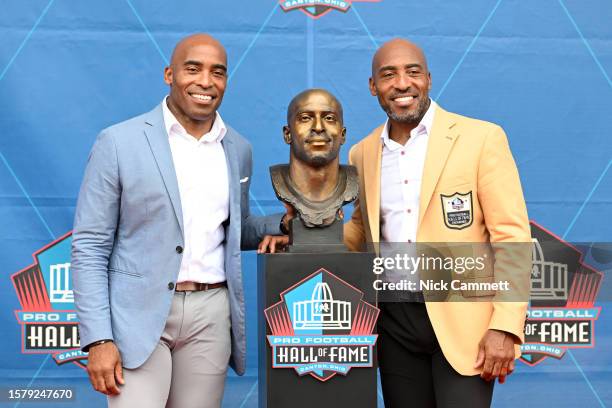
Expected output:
(122, 272)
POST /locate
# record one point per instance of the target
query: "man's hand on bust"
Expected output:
(104, 368)
(270, 243)
(496, 355)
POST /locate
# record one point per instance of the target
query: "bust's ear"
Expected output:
(343, 136)
(287, 134)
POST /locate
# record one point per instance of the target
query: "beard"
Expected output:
(320, 161)
(315, 160)
(409, 117)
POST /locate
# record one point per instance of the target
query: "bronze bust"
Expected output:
(314, 182)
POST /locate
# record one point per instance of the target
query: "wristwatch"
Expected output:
(283, 225)
(96, 343)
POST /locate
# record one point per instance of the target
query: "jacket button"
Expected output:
(171, 286)
(179, 249)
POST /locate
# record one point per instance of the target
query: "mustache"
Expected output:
(318, 137)
(401, 95)
(199, 89)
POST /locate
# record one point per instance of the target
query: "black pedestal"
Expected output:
(284, 387)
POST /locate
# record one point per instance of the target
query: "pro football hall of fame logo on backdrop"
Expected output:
(318, 8)
(322, 327)
(561, 313)
(49, 323)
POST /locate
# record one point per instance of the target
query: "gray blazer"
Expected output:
(128, 229)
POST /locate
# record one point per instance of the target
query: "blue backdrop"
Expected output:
(540, 69)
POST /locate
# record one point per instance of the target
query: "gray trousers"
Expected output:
(187, 368)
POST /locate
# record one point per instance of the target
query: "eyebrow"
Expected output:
(393, 68)
(200, 64)
(300, 111)
(193, 62)
(220, 66)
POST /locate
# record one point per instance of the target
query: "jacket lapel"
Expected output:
(441, 141)
(160, 147)
(372, 158)
(231, 157)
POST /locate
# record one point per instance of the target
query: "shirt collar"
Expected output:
(216, 134)
(423, 128)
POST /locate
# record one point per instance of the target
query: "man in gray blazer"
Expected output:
(161, 217)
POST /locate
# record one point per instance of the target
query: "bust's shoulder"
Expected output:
(351, 171)
(278, 171)
(351, 186)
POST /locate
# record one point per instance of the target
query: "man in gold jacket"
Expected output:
(411, 168)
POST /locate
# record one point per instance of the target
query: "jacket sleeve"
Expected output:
(505, 215)
(254, 228)
(95, 224)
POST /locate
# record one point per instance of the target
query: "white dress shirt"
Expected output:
(203, 181)
(400, 183)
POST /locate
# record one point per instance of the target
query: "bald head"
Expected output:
(195, 40)
(197, 76)
(300, 99)
(401, 81)
(314, 129)
(395, 47)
